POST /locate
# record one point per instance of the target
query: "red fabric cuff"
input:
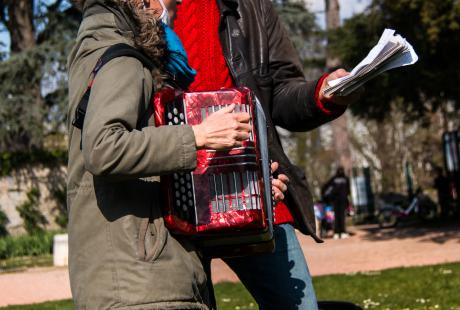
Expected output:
(282, 214)
(327, 107)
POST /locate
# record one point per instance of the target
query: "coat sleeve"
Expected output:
(294, 106)
(111, 143)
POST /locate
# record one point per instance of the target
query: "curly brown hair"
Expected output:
(149, 36)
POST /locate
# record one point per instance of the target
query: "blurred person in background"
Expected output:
(442, 186)
(337, 191)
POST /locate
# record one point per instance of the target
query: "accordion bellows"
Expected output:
(229, 191)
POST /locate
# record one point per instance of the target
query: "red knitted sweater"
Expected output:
(197, 25)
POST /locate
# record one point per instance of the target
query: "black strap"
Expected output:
(115, 51)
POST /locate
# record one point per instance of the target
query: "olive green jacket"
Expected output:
(121, 256)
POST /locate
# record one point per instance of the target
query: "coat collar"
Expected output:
(227, 7)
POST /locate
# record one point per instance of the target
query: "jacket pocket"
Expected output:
(152, 239)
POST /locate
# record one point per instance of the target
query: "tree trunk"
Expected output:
(332, 22)
(18, 17)
(339, 126)
(20, 25)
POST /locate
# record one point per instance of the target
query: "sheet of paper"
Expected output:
(391, 51)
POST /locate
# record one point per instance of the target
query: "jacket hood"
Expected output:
(114, 20)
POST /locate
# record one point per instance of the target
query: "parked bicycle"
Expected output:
(393, 210)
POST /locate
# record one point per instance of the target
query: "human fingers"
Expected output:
(277, 194)
(283, 178)
(333, 76)
(242, 127)
(276, 183)
(225, 110)
(274, 166)
(241, 136)
(339, 73)
(242, 117)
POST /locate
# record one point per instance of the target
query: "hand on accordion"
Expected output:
(279, 183)
(223, 129)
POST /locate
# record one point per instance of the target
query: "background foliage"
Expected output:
(32, 79)
(433, 27)
(26, 245)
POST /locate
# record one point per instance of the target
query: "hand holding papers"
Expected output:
(392, 51)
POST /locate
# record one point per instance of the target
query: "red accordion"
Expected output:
(227, 200)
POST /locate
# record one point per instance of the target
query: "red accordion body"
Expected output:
(227, 191)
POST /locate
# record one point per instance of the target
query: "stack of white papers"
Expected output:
(392, 51)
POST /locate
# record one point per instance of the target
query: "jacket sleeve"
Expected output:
(111, 143)
(294, 106)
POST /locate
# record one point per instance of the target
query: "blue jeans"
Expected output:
(279, 280)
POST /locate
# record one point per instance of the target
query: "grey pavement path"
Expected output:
(368, 250)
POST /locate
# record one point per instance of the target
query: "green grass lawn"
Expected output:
(424, 288)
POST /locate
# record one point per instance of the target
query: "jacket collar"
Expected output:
(227, 7)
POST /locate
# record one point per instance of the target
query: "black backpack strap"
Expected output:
(115, 51)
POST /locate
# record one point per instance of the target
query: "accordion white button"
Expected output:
(175, 111)
(170, 116)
